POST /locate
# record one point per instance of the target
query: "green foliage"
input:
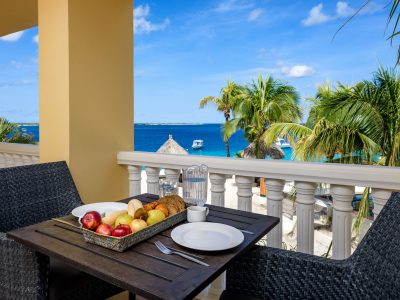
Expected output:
(9, 133)
(260, 104)
(225, 104)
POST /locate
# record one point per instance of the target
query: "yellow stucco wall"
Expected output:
(86, 91)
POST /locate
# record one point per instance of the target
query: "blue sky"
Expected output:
(185, 50)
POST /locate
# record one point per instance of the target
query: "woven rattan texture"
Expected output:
(28, 195)
(372, 272)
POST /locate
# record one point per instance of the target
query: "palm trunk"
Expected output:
(228, 152)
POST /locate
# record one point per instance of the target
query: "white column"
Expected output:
(152, 180)
(380, 198)
(135, 178)
(217, 189)
(172, 174)
(274, 208)
(244, 192)
(305, 216)
(342, 217)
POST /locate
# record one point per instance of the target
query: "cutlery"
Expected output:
(191, 254)
(168, 251)
(245, 231)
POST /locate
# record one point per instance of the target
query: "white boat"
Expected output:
(282, 143)
(197, 144)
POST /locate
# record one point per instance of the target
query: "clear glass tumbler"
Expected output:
(168, 187)
(195, 179)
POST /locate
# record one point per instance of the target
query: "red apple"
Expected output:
(104, 229)
(91, 220)
(121, 230)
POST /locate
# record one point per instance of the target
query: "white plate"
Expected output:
(207, 236)
(101, 208)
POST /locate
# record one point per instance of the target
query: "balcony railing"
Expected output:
(12, 155)
(342, 180)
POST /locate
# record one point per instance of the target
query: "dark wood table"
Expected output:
(143, 269)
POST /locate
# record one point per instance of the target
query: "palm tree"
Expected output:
(9, 133)
(261, 104)
(225, 104)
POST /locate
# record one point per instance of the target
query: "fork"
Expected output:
(168, 251)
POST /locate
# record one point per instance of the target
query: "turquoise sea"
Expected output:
(149, 137)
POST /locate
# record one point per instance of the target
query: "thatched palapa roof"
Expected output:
(171, 147)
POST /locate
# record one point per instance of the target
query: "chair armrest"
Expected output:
(23, 272)
(271, 273)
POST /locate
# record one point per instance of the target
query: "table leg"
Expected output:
(132, 296)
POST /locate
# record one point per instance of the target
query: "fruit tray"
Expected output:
(120, 244)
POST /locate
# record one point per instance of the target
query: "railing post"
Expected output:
(135, 179)
(274, 208)
(217, 189)
(153, 175)
(380, 198)
(244, 192)
(305, 216)
(172, 175)
(342, 218)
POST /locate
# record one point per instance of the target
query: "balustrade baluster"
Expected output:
(153, 175)
(172, 174)
(244, 192)
(342, 219)
(380, 197)
(135, 178)
(217, 189)
(274, 208)
(305, 216)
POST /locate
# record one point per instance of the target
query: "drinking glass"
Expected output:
(168, 187)
(195, 179)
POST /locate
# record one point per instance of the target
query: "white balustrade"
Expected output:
(12, 155)
(135, 179)
(172, 174)
(305, 216)
(217, 189)
(153, 175)
(341, 178)
(274, 208)
(342, 218)
(244, 192)
(380, 198)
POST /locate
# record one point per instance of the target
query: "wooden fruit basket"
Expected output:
(120, 244)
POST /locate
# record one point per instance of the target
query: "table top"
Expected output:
(143, 269)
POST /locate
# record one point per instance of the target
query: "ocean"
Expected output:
(149, 137)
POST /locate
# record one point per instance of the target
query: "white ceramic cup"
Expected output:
(197, 213)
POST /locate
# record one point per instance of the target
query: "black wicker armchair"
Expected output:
(372, 272)
(28, 195)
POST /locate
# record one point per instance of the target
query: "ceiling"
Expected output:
(16, 15)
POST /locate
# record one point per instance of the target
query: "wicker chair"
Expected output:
(371, 272)
(28, 195)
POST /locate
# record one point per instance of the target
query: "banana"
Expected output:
(133, 206)
(110, 217)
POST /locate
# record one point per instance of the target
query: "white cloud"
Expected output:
(233, 5)
(141, 22)
(36, 39)
(297, 71)
(13, 37)
(316, 16)
(255, 14)
(344, 10)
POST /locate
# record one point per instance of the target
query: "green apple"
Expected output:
(155, 216)
(124, 219)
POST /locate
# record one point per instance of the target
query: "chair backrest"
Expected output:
(35, 193)
(377, 258)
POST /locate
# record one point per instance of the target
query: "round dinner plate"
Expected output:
(207, 236)
(101, 208)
